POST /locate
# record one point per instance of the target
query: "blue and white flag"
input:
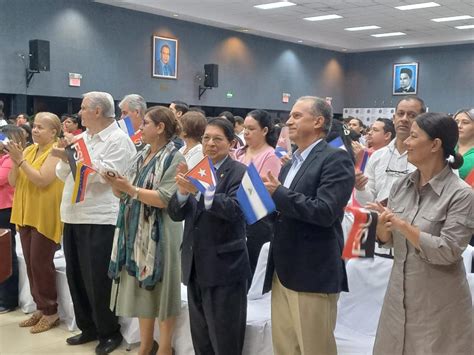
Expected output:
(126, 125)
(254, 199)
(337, 143)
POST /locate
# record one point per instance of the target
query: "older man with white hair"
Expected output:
(89, 225)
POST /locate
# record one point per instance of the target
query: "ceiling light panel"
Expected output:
(362, 28)
(453, 18)
(423, 5)
(466, 27)
(274, 5)
(390, 34)
(322, 18)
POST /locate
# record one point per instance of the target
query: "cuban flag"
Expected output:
(203, 176)
(254, 199)
(338, 143)
(283, 146)
(126, 125)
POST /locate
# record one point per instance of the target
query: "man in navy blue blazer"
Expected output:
(305, 270)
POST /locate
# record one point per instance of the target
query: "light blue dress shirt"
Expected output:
(297, 161)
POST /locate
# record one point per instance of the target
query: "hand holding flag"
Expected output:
(203, 177)
(254, 199)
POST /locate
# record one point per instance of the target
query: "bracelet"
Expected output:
(135, 195)
(21, 162)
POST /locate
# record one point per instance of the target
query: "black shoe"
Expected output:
(81, 339)
(108, 345)
(6, 309)
(154, 349)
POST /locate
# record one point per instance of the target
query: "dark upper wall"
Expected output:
(445, 79)
(111, 48)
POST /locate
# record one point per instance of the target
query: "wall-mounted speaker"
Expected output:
(211, 75)
(39, 55)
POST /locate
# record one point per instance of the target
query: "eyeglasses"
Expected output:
(393, 172)
(217, 140)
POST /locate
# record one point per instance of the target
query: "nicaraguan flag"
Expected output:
(338, 143)
(283, 146)
(363, 161)
(254, 199)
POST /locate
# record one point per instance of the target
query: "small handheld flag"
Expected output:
(202, 175)
(80, 182)
(363, 161)
(283, 146)
(337, 143)
(361, 239)
(4, 139)
(254, 199)
(126, 125)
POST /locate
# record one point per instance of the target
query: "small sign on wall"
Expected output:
(285, 97)
(75, 79)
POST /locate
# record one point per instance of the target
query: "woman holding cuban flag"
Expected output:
(214, 254)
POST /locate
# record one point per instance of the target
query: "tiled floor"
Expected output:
(15, 340)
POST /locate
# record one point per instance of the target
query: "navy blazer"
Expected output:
(307, 246)
(214, 239)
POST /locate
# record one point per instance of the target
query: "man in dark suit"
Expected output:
(406, 75)
(214, 258)
(305, 269)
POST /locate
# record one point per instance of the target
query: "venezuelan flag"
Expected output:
(80, 182)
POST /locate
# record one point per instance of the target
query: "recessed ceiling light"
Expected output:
(322, 18)
(243, 30)
(362, 28)
(274, 5)
(465, 27)
(389, 34)
(175, 15)
(344, 49)
(422, 5)
(454, 18)
(300, 41)
(400, 47)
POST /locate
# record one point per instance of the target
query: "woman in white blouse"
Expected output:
(193, 126)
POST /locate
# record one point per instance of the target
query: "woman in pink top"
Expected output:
(8, 288)
(260, 139)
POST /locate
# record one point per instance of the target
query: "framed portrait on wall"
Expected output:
(405, 78)
(165, 57)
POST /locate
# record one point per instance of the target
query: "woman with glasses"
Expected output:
(429, 221)
(259, 149)
(145, 261)
(465, 121)
(214, 255)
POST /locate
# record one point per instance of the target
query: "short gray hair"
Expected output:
(320, 107)
(103, 100)
(135, 103)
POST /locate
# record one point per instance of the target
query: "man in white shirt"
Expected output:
(389, 163)
(89, 225)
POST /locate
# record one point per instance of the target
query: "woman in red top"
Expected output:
(8, 288)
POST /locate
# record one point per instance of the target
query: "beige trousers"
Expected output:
(303, 322)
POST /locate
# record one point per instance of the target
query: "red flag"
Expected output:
(202, 175)
(361, 239)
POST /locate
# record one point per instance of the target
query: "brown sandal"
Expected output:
(33, 320)
(44, 325)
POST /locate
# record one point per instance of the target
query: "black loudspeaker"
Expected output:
(211, 75)
(39, 55)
